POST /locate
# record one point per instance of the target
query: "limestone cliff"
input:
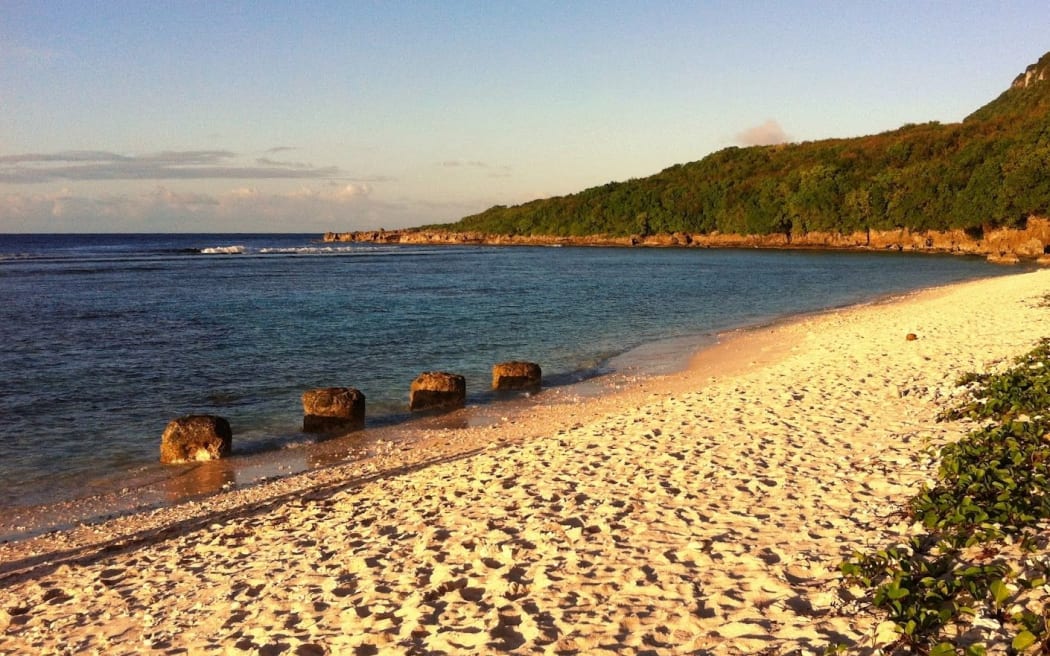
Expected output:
(1000, 245)
(981, 187)
(1037, 72)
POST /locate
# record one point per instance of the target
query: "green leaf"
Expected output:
(943, 649)
(1023, 640)
(1000, 592)
(895, 593)
(976, 650)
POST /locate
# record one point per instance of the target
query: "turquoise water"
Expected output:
(107, 337)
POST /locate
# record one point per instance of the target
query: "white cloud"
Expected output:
(456, 163)
(243, 192)
(341, 193)
(339, 207)
(494, 171)
(766, 134)
(79, 165)
(328, 199)
(352, 190)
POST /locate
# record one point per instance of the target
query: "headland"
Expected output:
(1001, 245)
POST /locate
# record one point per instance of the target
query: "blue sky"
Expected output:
(312, 116)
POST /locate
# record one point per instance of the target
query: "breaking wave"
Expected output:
(223, 250)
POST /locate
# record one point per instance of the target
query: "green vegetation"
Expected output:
(1023, 390)
(991, 170)
(980, 556)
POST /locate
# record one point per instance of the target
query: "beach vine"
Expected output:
(979, 569)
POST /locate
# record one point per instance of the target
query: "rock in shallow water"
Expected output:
(333, 408)
(516, 375)
(196, 438)
(433, 390)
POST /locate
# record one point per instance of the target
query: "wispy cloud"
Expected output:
(81, 165)
(318, 206)
(494, 171)
(457, 163)
(766, 134)
(14, 52)
(266, 161)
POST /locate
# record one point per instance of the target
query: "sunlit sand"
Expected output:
(704, 511)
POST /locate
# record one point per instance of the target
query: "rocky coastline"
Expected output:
(1001, 245)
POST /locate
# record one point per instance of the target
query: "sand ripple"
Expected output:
(704, 512)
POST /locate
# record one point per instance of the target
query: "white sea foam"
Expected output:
(223, 250)
(308, 250)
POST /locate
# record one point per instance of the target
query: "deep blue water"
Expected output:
(107, 337)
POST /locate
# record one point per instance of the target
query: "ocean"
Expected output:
(108, 337)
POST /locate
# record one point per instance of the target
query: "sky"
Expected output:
(313, 116)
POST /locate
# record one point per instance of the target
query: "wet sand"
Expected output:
(704, 511)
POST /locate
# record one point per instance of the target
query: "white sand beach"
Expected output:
(700, 512)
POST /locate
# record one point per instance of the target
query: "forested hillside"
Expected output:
(991, 170)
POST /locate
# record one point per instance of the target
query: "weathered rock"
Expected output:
(437, 389)
(1037, 72)
(1028, 242)
(333, 408)
(1007, 258)
(515, 375)
(196, 438)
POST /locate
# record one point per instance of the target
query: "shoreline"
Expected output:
(167, 491)
(261, 400)
(156, 487)
(705, 509)
(999, 246)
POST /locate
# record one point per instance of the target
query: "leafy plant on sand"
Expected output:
(1022, 390)
(992, 482)
(980, 555)
(924, 586)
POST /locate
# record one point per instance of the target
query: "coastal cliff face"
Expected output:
(1035, 73)
(922, 187)
(1001, 245)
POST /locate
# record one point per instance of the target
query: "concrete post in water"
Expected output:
(515, 375)
(329, 409)
(196, 438)
(432, 390)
